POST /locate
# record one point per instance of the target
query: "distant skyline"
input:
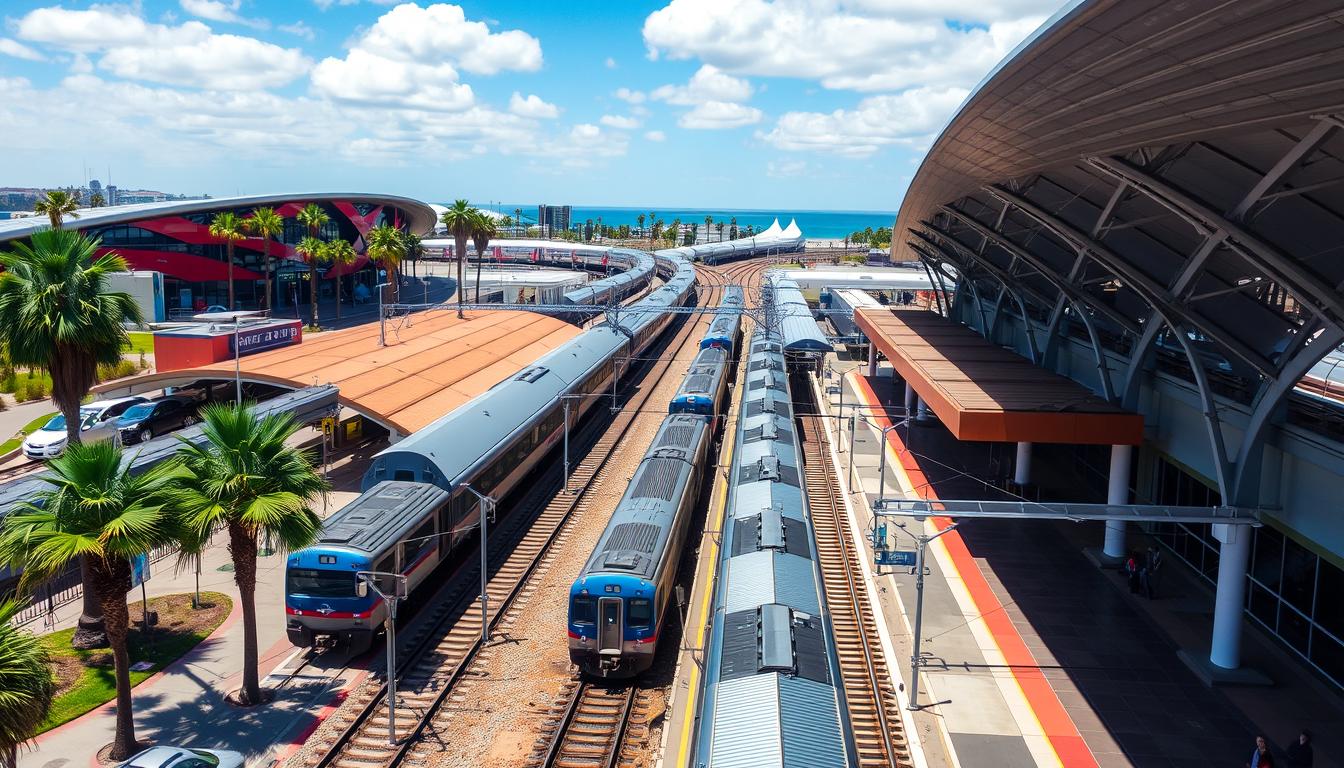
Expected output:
(743, 104)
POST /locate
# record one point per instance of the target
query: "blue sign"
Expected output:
(258, 339)
(901, 558)
(139, 569)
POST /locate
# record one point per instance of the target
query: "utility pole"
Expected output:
(922, 540)
(366, 580)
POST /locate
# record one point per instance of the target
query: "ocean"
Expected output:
(814, 224)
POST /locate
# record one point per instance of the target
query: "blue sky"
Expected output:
(803, 104)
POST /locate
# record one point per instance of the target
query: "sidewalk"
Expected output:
(1036, 657)
(184, 704)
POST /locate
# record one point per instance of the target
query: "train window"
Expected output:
(326, 559)
(319, 582)
(404, 474)
(639, 612)
(582, 610)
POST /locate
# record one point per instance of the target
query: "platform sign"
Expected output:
(139, 569)
(900, 558)
(266, 337)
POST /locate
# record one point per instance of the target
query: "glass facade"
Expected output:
(1291, 591)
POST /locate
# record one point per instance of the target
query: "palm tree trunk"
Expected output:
(461, 244)
(243, 549)
(339, 280)
(110, 580)
(479, 258)
(312, 289)
(229, 255)
(266, 268)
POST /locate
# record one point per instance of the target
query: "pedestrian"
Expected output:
(1132, 572)
(1261, 757)
(1299, 753)
(1151, 569)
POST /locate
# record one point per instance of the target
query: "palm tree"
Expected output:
(57, 204)
(732, 228)
(506, 224)
(719, 226)
(640, 219)
(387, 248)
(26, 684)
(518, 219)
(414, 249)
(248, 481)
(338, 253)
(676, 231)
(313, 216)
(228, 227)
(96, 200)
(265, 223)
(460, 220)
(709, 223)
(480, 237)
(313, 252)
(600, 233)
(42, 280)
(98, 511)
(652, 225)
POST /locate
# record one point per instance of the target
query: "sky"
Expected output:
(755, 104)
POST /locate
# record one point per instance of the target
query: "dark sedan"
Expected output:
(148, 420)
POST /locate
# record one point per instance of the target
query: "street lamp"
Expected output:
(366, 580)
(922, 540)
(882, 471)
(382, 332)
(487, 509)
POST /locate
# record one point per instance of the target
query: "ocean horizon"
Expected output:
(829, 225)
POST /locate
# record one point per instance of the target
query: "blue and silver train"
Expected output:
(772, 680)
(510, 428)
(726, 330)
(701, 391)
(622, 596)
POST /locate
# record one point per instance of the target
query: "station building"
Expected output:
(173, 238)
(1148, 198)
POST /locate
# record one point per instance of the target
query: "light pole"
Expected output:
(922, 540)
(487, 509)
(366, 580)
(237, 366)
(882, 466)
(382, 332)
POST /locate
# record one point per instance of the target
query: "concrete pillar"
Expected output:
(923, 411)
(1022, 467)
(1117, 492)
(1233, 553)
(910, 398)
(872, 360)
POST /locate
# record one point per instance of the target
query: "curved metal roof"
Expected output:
(422, 216)
(1153, 176)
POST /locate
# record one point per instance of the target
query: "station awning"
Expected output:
(981, 391)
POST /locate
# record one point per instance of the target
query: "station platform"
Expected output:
(1033, 655)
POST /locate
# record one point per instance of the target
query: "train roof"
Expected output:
(800, 331)
(776, 720)
(381, 516)
(699, 377)
(639, 529)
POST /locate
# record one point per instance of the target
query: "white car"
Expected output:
(181, 757)
(97, 422)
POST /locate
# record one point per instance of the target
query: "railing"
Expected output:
(66, 588)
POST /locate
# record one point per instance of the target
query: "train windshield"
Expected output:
(314, 582)
(639, 612)
(583, 610)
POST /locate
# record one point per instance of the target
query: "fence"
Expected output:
(65, 589)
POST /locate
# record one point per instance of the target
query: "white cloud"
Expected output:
(619, 121)
(783, 169)
(656, 136)
(908, 118)
(19, 50)
(221, 10)
(189, 54)
(441, 33)
(365, 77)
(633, 97)
(714, 115)
(532, 106)
(610, 63)
(299, 29)
(707, 84)
(866, 45)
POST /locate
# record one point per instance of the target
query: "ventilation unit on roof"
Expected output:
(772, 529)
(533, 374)
(768, 467)
(776, 639)
(340, 534)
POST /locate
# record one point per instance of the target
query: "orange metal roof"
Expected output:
(984, 392)
(429, 366)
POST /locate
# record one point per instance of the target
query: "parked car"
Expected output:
(181, 757)
(148, 420)
(97, 422)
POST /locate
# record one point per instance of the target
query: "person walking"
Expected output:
(1152, 567)
(1261, 757)
(1132, 572)
(1300, 753)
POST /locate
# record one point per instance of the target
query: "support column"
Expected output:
(923, 411)
(1022, 467)
(910, 398)
(1117, 492)
(1233, 553)
(872, 360)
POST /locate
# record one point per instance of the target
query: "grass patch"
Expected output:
(85, 679)
(28, 429)
(140, 341)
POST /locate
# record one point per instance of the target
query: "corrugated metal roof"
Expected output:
(757, 578)
(746, 724)
(751, 498)
(809, 724)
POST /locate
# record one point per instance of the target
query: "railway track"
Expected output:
(448, 644)
(599, 726)
(874, 712)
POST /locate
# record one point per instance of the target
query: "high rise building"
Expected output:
(553, 218)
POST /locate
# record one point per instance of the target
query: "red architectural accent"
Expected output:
(183, 266)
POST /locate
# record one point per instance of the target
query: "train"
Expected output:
(621, 597)
(772, 241)
(773, 690)
(511, 427)
(726, 330)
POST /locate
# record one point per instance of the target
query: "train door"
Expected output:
(609, 631)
